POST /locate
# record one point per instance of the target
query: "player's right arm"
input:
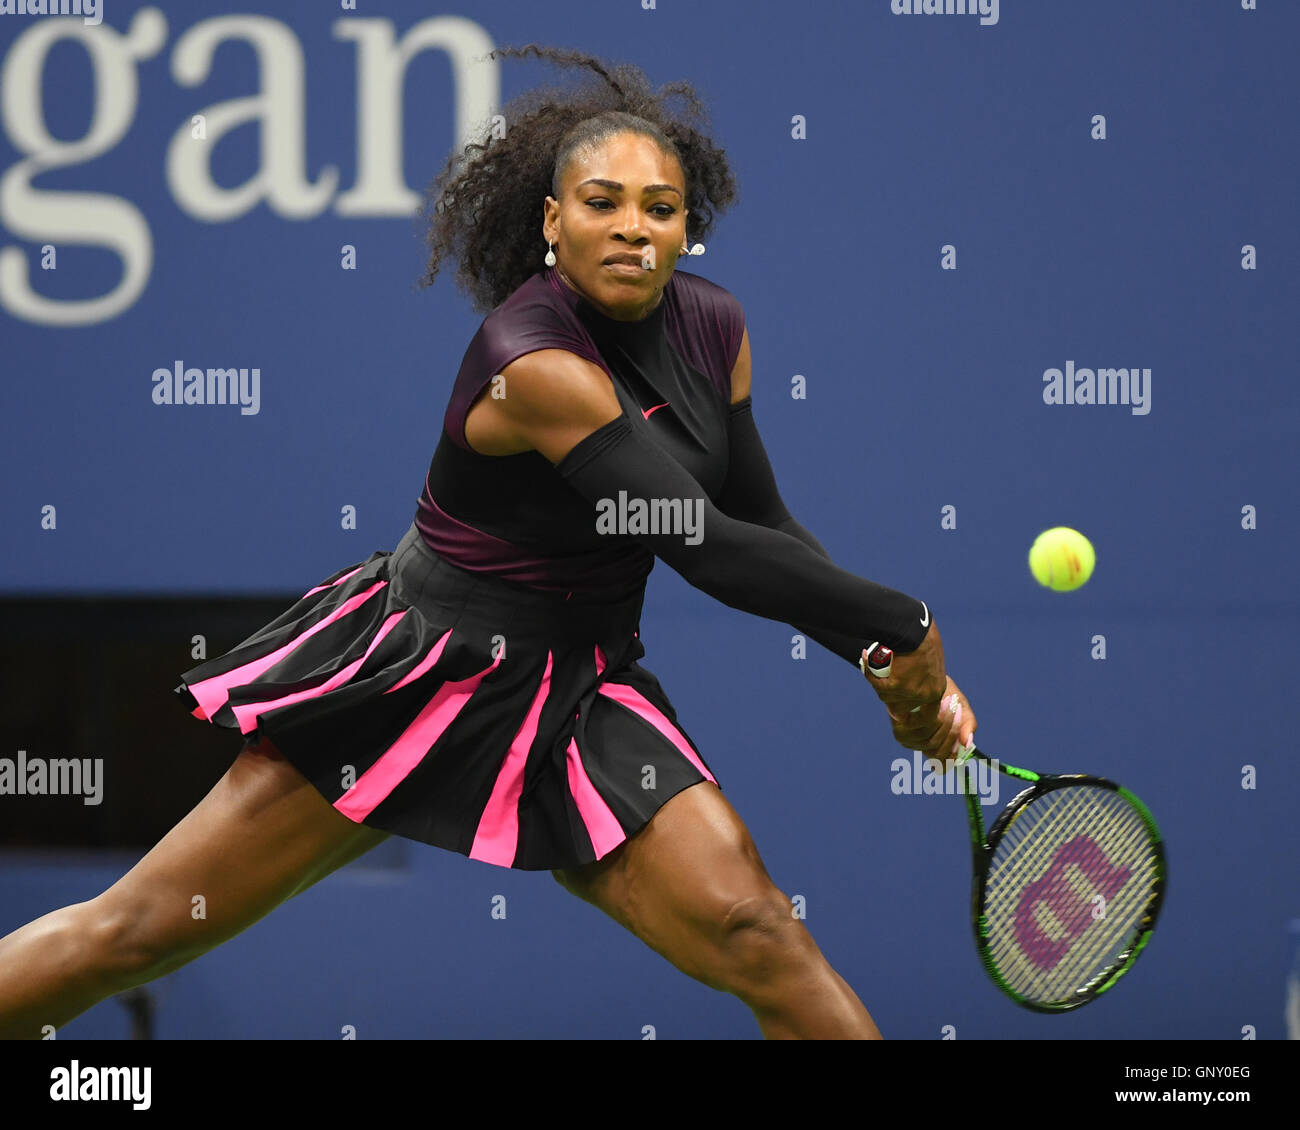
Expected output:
(553, 400)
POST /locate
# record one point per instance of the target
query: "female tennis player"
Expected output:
(478, 688)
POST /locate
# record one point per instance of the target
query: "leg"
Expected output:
(691, 886)
(262, 835)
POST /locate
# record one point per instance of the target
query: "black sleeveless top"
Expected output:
(513, 516)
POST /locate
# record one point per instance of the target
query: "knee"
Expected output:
(763, 942)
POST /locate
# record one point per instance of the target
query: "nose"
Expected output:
(630, 223)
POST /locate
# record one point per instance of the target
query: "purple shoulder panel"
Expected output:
(709, 328)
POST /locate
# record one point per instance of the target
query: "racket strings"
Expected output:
(1044, 972)
(1074, 842)
(1015, 862)
(1085, 963)
(1052, 969)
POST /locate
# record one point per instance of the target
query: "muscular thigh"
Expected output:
(260, 836)
(686, 882)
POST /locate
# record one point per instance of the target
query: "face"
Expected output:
(629, 213)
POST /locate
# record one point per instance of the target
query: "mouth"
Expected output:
(628, 272)
(624, 259)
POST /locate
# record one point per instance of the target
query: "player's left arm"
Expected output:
(750, 493)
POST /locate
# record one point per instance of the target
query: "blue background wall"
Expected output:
(924, 391)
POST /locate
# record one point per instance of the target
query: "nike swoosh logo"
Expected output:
(925, 620)
(645, 412)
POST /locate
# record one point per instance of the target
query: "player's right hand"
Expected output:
(913, 692)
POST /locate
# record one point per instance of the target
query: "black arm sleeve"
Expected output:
(748, 567)
(750, 494)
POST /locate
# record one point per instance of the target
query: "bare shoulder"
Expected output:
(742, 372)
(546, 401)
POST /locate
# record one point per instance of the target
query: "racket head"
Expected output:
(1068, 886)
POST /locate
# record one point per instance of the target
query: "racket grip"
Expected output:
(878, 661)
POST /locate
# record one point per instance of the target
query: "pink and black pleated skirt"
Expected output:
(511, 725)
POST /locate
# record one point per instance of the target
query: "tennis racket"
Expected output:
(1067, 883)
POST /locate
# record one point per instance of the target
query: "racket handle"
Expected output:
(878, 661)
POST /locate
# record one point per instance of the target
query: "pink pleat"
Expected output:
(497, 838)
(399, 759)
(247, 714)
(639, 704)
(212, 693)
(332, 583)
(603, 828)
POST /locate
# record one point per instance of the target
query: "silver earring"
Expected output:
(550, 255)
(698, 249)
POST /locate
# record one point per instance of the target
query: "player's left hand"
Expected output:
(939, 730)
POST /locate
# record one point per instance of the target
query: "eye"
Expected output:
(601, 200)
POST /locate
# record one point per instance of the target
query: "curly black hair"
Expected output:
(485, 208)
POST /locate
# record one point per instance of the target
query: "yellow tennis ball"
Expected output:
(1061, 559)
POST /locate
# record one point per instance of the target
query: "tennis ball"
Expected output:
(1061, 559)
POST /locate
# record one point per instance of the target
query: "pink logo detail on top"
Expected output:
(645, 412)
